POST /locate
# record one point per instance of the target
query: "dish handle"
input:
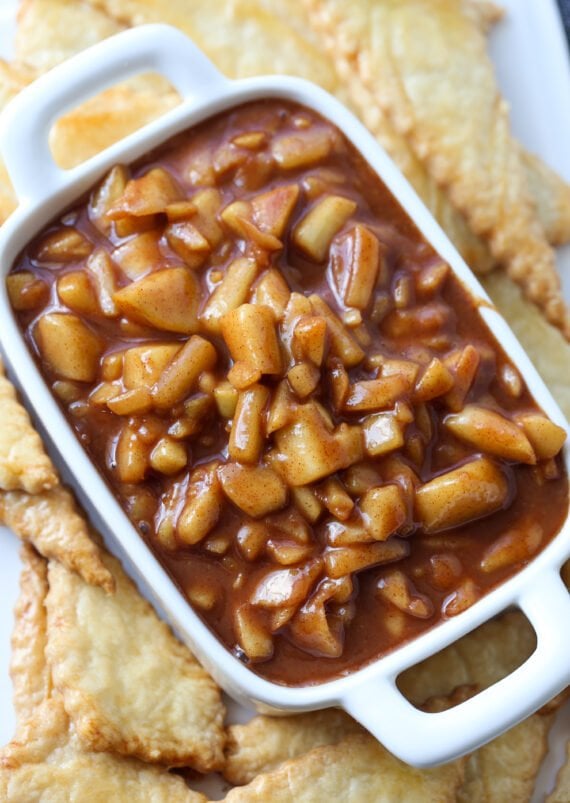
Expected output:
(26, 122)
(427, 739)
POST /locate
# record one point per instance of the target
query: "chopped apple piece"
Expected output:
(203, 506)
(307, 450)
(132, 402)
(168, 456)
(343, 344)
(382, 433)
(286, 587)
(376, 394)
(181, 375)
(272, 210)
(226, 397)
(208, 203)
(139, 255)
(251, 539)
(384, 511)
(143, 365)
(302, 149)
(475, 489)
(257, 490)
(26, 291)
(546, 437)
(230, 293)
(76, 291)
(490, 432)
(68, 346)
(518, 544)
(186, 241)
(307, 503)
(435, 381)
(250, 334)
(146, 195)
(107, 193)
(243, 375)
(165, 299)
(309, 339)
(315, 231)
(398, 589)
(304, 378)
(272, 291)
(248, 427)
(346, 560)
(63, 245)
(253, 638)
(131, 456)
(355, 262)
(335, 498)
(463, 366)
(100, 266)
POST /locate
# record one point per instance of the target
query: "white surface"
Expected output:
(527, 71)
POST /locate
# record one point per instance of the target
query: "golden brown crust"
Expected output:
(357, 768)
(52, 523)
(46, 764)
(31, 679)
(24, 464)
(265, 742)
(127, 683)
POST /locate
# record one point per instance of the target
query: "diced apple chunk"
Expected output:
(346, 560)
(384, 511)
(68, 346)
(251, 336)
(355, 262)
(230, 293)
(399, 590)
(63, 245)
(475, 489)
(490, 432)
(76, 291)
(382, 433)
(315, 231)
(131, 455)
(181, 375)
(302, 149)
(139, 255)
(286, 587)
(252, 637)
(143, 365)
(272, 291)
(376, 394)
(247, 435)
(186, 241)
(26, 291)
(168, 456)
(307, 450)
(100, 266)
(517, 545)
(257, 490)
(165, 299)
(203, 506)
(309, 339)
(272, 210)
(546, 437)
(343, 345)
(146, 195)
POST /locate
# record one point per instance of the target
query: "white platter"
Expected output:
(530, 54)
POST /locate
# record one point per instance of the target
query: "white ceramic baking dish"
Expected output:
(369, 694)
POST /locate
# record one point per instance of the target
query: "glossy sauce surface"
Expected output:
(305, 524)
